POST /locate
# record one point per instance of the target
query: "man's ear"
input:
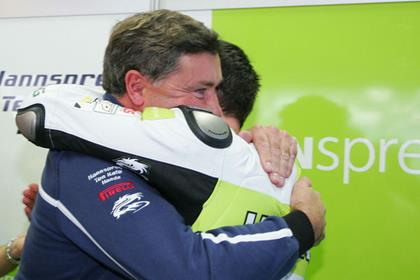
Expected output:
(135, 83)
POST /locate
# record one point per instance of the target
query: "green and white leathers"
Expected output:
(210, 186)
(231, 204)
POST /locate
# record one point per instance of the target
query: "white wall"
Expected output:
(30, 8)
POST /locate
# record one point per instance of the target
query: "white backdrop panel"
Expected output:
(30, 8)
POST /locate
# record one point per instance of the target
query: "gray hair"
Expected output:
(152, 44)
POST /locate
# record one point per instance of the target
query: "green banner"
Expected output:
(345, 80)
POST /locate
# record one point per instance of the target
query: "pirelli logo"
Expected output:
(115, 189)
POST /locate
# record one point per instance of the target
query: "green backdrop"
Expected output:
(345, 80)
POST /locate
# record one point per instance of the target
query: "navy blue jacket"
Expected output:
(79, 230)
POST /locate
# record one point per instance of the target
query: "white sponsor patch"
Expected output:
(105, 107)
(128, 203)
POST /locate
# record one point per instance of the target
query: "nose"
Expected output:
(213, 103)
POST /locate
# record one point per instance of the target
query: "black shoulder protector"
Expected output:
(30, 123)
(209, 128)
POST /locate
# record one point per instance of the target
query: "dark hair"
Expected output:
(240, 82)
(152, 44)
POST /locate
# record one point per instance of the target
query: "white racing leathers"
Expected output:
(194, 162)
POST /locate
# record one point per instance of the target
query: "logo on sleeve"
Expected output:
(132, 164)
(105, 107)
(129, 203)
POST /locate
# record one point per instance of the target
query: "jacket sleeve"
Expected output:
(74, 118)
(118, 219)
(157, 144)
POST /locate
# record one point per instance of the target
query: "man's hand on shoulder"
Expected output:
(307, 200)
(277, 150)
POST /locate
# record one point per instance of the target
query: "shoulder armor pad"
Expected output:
(209, 128)
(30, 122)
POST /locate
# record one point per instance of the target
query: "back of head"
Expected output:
(152, 43)
(240, 82)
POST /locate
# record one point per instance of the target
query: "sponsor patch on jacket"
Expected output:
(134, 165)
(115, 189)
(106, 175)
(129, 203)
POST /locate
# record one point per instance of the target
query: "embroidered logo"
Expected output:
(132, 164)
(114, 189)
(128, 203)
